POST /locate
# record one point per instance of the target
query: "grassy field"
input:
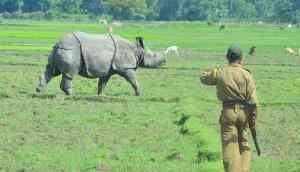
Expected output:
(172, 127)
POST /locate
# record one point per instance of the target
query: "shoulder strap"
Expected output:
(247, 70)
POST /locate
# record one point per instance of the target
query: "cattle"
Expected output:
(281, 27)
(210, 23)
(103, 21)
(222, 27)
(252, 51)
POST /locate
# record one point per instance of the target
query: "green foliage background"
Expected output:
(212, 10)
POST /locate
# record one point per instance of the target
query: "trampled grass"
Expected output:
(173, 126)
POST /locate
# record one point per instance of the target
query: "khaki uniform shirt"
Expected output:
(233, 83)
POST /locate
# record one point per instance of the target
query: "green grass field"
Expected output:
(119, 132)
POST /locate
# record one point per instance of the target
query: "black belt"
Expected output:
(241, 103)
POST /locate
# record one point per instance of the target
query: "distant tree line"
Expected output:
(211, 10)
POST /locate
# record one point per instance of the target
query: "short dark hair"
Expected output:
(234, 53)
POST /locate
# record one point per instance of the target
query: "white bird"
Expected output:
(290, 26)
(171, 49)
(289, 51)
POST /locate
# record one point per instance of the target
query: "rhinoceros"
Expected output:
(97, 56)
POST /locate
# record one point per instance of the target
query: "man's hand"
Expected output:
(209, 77)
(205, 73)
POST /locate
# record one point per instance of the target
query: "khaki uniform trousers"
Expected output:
(235, 145)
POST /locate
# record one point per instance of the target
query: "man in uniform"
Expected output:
(234, 85)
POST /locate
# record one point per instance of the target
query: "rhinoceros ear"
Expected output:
(140, 42)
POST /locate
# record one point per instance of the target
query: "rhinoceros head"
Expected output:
(147, 58)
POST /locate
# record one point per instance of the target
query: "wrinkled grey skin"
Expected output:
(68, 62)
(153, 60)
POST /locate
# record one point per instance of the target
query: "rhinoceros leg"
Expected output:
(102, 83)
(66, 84)
(46, 78)
(130, 76)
